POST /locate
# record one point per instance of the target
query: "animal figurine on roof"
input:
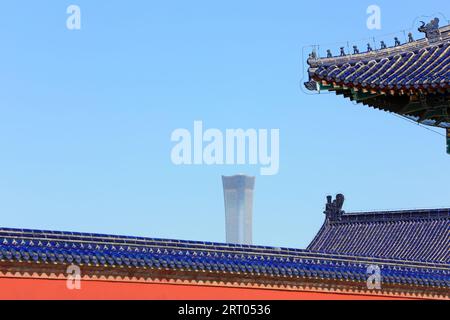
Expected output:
(431, 30)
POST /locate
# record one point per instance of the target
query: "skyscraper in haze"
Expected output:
(238, 196)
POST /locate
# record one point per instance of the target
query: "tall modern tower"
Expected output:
(238, 195)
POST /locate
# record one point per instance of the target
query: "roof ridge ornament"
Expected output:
(333, 208)
(431, 30)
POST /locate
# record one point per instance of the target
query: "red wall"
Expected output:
(20, 288)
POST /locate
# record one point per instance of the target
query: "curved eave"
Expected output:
(328, 83)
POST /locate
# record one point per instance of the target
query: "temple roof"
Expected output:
(414, 235)
(411, 79)
(414, 65)
(268, 264)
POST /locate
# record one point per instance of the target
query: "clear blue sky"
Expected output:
(86, 117)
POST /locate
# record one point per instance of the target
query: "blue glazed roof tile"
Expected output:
(415, 235)
(129, 252)
(413, 68)
(412, 80)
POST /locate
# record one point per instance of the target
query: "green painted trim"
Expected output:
(448, 141)
(413, 107)
(361, 96)
(325, 87)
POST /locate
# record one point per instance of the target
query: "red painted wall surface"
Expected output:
(20, 288)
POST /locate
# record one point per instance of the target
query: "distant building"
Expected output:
(238, 196)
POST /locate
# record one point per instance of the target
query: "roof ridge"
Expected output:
(394, 215)
(399, 210)
(15, 240)
(334, 213)
(377, 54)
(315, 61)
(420, 234)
